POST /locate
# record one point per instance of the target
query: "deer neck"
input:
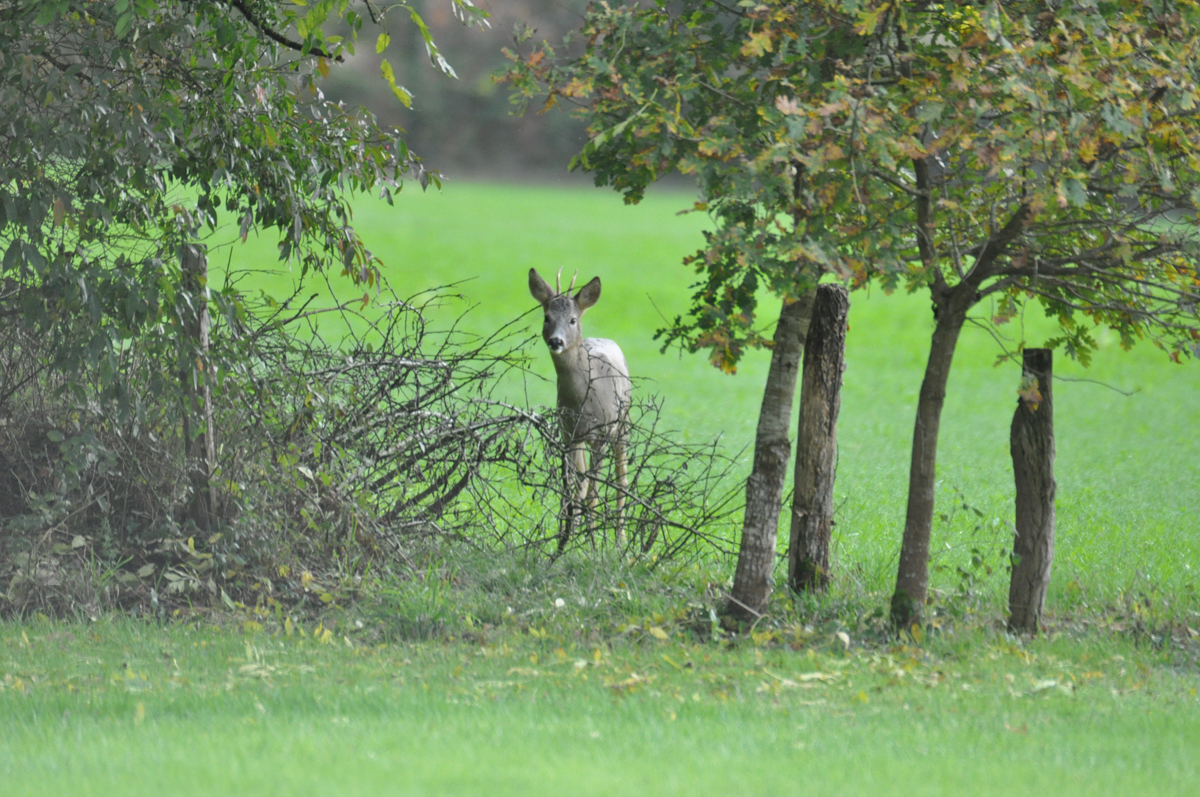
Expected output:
(574, 376)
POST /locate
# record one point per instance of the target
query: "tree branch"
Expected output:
(995, 245)
(924, 212)
(275, 36)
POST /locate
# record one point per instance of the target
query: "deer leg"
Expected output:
(574, 478)
(575, 487)
(593, 487)
(619, 457)
(564, 516)
(586, 487)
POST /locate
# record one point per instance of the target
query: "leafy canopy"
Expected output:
(131, 125)
(1031, 150)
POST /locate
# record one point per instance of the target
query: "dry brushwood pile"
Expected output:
(345, 442)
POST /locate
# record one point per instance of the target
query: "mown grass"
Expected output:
(556, 706)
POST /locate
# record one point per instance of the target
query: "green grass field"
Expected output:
(1128, 466)
(130, 708)
(592, 676)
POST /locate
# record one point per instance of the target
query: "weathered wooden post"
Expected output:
(816, 441)
(1032, 442)
(200, 447)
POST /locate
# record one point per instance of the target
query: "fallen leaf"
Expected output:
(629, 683)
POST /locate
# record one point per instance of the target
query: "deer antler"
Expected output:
(571, 287)
(558, 281)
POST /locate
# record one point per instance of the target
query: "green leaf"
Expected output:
(124, 23)
(382, 42)
(930, 111)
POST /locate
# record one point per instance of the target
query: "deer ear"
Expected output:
(539, 287)
(588, 295)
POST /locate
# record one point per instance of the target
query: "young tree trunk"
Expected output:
(816, 441)
(752, 582)
(950, 309)
(1032, 442)
(200, 447)
(912, 578)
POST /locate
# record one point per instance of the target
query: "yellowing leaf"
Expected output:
(658, 633)
(382, 42)
(787, 105)
(633, 680)
(758, 44)
(1029, 393)
(402, 94)
(1087, 150)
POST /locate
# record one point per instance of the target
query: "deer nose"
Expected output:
(555, 343)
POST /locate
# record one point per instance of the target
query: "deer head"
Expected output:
(563, 329)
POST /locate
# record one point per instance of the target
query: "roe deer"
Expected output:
(593, 397)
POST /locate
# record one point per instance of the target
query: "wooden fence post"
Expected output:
(1032, 441)
(816, 441)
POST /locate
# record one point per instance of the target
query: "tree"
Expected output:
(133, 125)
(1008, 152)
(1052, 148)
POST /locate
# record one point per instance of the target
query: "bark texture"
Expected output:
(200, 446)
(816, 441)
(752, 582)
(912, 578)
(1032, 442)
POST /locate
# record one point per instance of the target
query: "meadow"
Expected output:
(1128, 466)
(502, 674)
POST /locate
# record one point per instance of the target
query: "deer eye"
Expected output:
(572, 322)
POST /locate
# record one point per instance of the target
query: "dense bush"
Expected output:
(346, 440)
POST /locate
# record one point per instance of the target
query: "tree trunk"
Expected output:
(912, 578)
(752, 582)
(200, 447)
(816, 441)
(1032, 442)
